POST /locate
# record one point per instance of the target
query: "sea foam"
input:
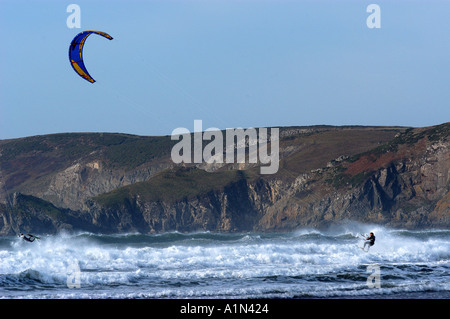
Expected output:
(305, 263)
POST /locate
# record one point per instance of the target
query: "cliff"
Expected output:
(122, 183)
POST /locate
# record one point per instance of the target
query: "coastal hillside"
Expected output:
(112, 183)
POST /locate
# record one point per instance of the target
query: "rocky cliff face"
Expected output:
(402, 187)
(237, 207)
(400, 179)
(73, 186)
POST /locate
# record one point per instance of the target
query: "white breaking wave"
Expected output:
(306, 263)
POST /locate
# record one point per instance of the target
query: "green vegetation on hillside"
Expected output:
(116, 150)
(136, 151)
(173, 185)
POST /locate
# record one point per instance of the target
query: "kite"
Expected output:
(76, 53)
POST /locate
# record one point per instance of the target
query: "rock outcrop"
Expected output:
(398, 177)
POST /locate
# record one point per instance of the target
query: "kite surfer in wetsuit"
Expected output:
(370, 241)
(30, 238)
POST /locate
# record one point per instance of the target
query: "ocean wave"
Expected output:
(306, 263)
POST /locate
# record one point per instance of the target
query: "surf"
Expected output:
(302, 264)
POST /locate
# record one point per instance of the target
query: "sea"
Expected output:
(307, 263)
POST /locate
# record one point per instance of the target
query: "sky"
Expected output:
(229, 63)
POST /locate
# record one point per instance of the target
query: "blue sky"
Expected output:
(230, 63)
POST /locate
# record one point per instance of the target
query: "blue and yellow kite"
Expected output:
(76, 53)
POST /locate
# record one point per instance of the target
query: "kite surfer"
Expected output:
(370, 241)
(28, 237)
